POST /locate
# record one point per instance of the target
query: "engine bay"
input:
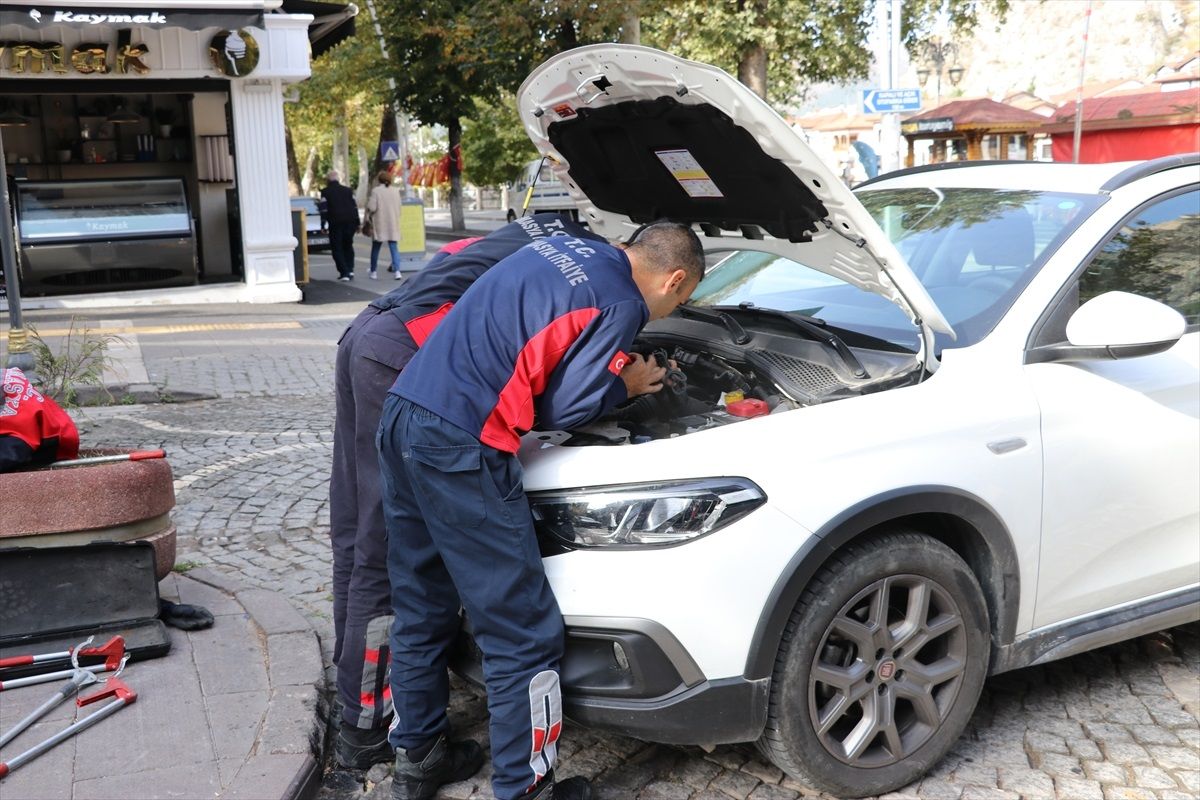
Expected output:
(711, 382)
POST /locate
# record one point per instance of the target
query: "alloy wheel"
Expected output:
(887, 671)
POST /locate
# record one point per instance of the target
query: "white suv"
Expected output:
(889, 464)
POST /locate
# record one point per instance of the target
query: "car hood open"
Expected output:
(637, 134)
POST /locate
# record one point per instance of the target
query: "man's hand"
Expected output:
(642, 376)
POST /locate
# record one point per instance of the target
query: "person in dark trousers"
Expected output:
(371, 352)
(545, 334)
(342, 213)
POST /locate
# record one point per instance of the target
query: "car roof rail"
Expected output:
(933, 168)
(1152, 167)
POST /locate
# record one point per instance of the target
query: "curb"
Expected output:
(291, 739)
(448, 235)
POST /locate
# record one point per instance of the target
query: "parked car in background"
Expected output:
(317, 231)
(937, 429)
(548, 193)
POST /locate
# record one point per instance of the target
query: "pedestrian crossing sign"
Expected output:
(389, 151)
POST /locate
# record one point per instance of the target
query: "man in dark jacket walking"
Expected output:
(342, 213)
(547, 332)
(371, 353)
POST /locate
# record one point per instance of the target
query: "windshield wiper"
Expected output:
(736, 331)
(813, 327)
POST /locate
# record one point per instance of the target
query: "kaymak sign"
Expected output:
(38, 18)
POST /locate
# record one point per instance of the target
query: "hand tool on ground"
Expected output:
(113, 687)
(47, 677)
(112, 651)
(79, 679)
(136, 455)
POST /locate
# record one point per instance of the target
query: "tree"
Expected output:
(495, 145)
(341, 102)
(446, 54)
(777, 46)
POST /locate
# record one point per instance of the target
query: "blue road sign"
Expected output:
(875, 101)
(389, 151)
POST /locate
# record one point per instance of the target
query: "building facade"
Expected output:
(145, 145)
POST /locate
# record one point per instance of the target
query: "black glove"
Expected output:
(184, 617)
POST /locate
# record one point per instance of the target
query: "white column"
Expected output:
(267, 241)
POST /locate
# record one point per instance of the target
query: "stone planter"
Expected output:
(121, 501)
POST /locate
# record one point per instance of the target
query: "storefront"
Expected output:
(145, 144)
(973, 130)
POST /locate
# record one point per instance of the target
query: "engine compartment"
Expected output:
(711, 382)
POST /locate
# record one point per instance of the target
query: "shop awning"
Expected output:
(120, 15)
(332, 22)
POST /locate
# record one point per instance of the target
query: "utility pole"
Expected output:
(1087, 21)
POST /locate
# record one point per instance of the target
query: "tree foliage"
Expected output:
(495, 146)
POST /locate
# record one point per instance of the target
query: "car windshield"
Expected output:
(973, 249)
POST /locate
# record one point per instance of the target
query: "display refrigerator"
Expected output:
(96, 236)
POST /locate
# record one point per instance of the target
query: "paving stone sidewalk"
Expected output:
(230, 712)
(251, 469)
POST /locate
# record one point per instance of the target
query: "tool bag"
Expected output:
(55, 597)
(34, 431)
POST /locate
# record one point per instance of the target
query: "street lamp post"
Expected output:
(937, 54)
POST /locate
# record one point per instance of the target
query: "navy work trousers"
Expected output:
(371, 353)
(460, 532)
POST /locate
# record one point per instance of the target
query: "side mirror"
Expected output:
(1115, 325)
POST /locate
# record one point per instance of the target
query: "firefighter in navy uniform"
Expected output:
(547, 332)
(371, 353)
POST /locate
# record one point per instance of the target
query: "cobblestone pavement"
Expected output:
(251, 474)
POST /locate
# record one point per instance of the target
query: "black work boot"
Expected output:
(361, 748)
(446, 762)
(570, 789)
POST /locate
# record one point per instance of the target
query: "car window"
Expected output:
(1153, 255)
(973, 249)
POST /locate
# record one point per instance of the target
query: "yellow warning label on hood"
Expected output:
(684, 167)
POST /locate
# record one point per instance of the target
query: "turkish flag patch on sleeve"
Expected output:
(618, 363)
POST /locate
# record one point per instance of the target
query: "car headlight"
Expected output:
(643, 515)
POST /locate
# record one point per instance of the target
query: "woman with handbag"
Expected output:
(382, 222)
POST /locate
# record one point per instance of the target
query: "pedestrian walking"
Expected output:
(545, 333)
(371, 352)
(383, 212)
(342, 213)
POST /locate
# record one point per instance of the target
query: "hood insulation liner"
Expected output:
(618, 157)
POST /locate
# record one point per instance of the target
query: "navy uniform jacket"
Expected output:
(427, 296)
(546, 330)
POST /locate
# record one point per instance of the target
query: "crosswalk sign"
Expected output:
(389, 151)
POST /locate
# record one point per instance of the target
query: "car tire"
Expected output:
(879, 668)
(511, 216)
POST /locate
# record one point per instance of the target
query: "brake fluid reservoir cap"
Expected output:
(750, 407)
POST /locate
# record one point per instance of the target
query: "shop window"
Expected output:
(990, 147)
(1016, 146)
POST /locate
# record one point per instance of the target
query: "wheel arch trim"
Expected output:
(996, 570)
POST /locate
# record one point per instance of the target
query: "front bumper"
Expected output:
(631, 676)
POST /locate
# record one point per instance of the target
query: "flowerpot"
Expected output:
(117, 501)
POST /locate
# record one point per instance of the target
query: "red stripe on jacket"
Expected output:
(420, 327)
(535, 362)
